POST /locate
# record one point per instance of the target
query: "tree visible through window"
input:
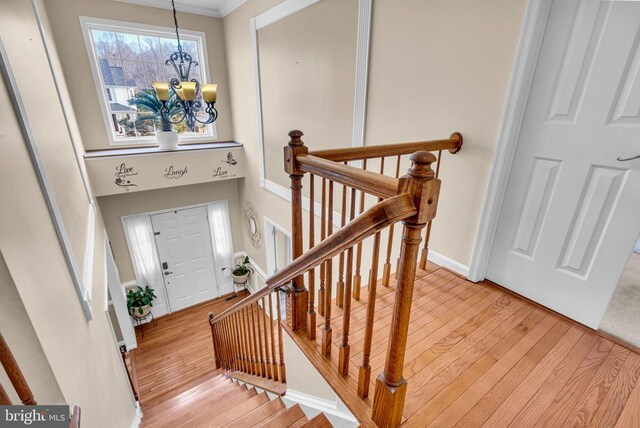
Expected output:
(128, 63)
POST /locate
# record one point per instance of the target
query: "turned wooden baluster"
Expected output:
(425, 250)
(328, 268)
(323, 230)
(364, 372)
(240, 340)
(249, 341)
(263, 367)
(267, 357)
(214, 339)
(340, 283)
(357, 279)
(386, 270)
(256, 354)
(4, 397)
(274, 363)
(298, 298)
(311, 311)
(283, 372)
(391, 387)
(343, 358)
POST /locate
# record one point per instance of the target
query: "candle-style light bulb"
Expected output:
(162, 90)
(210, 92)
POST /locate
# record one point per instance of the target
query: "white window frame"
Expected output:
(88, 23)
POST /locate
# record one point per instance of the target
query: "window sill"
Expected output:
(150, 150)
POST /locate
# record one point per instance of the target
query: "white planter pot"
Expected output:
(240, 279)
(168, 140)
(145, 311)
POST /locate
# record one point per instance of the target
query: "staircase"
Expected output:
(216, 400)
(357, 204)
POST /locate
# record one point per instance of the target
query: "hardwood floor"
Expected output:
(175, 352)
(478, 355)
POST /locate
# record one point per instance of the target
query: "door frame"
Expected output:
(533, 30)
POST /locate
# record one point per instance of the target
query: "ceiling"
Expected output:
(216, 8)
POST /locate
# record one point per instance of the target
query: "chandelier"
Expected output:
(186, 90)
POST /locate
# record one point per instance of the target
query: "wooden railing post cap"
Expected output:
(296, 137)
(292, 150)
(421, 164)
(210, 317)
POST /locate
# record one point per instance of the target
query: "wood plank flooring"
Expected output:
(175, 352)
(478, 355)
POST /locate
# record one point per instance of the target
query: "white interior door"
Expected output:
(184, 244)
(572, 210)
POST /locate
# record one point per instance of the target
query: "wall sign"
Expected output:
(116, 172)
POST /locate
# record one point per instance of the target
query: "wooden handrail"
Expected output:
(15, 374)
(453, 144)
(366, 181)
(376, 218)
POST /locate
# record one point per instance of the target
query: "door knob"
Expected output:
(168, 273)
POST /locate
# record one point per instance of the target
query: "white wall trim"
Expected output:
(43, 179)
(281, 11)
(325, 406)
(89, 253)
(446, 262)
(186, 8)
(138, 419)
(533, 28)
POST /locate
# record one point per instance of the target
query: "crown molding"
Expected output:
(164, 4)
(229, 6)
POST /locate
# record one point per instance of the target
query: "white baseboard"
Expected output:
(448, 263)
(327, 407)
(138, 418)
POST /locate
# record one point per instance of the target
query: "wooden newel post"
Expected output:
(297, 299)
(216, 348)
(391, 387)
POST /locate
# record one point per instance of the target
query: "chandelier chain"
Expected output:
(175, 22)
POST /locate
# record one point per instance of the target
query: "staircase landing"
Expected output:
(479, 355)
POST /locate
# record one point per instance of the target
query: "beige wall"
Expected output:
(63, 15)
(114, 207)
(436, 67)
(308, 80)
(24, 344)
(81, 354)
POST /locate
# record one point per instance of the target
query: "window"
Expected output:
(126, 59)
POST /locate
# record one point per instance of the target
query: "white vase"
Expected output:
(168, 140)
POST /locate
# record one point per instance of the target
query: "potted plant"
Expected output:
(140, 301)
(150, 108)
(241, 271)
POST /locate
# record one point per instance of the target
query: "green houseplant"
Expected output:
(149, 109)
(241, 271)
(140, 301)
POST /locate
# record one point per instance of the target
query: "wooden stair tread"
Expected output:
(214, 375)
(209, 407)
(184, 397)
(285, 418)
(320, 421)
(257, 415)
(181, 408)
(232, 413)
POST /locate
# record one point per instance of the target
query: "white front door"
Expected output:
(572, 210)
(184, 247)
